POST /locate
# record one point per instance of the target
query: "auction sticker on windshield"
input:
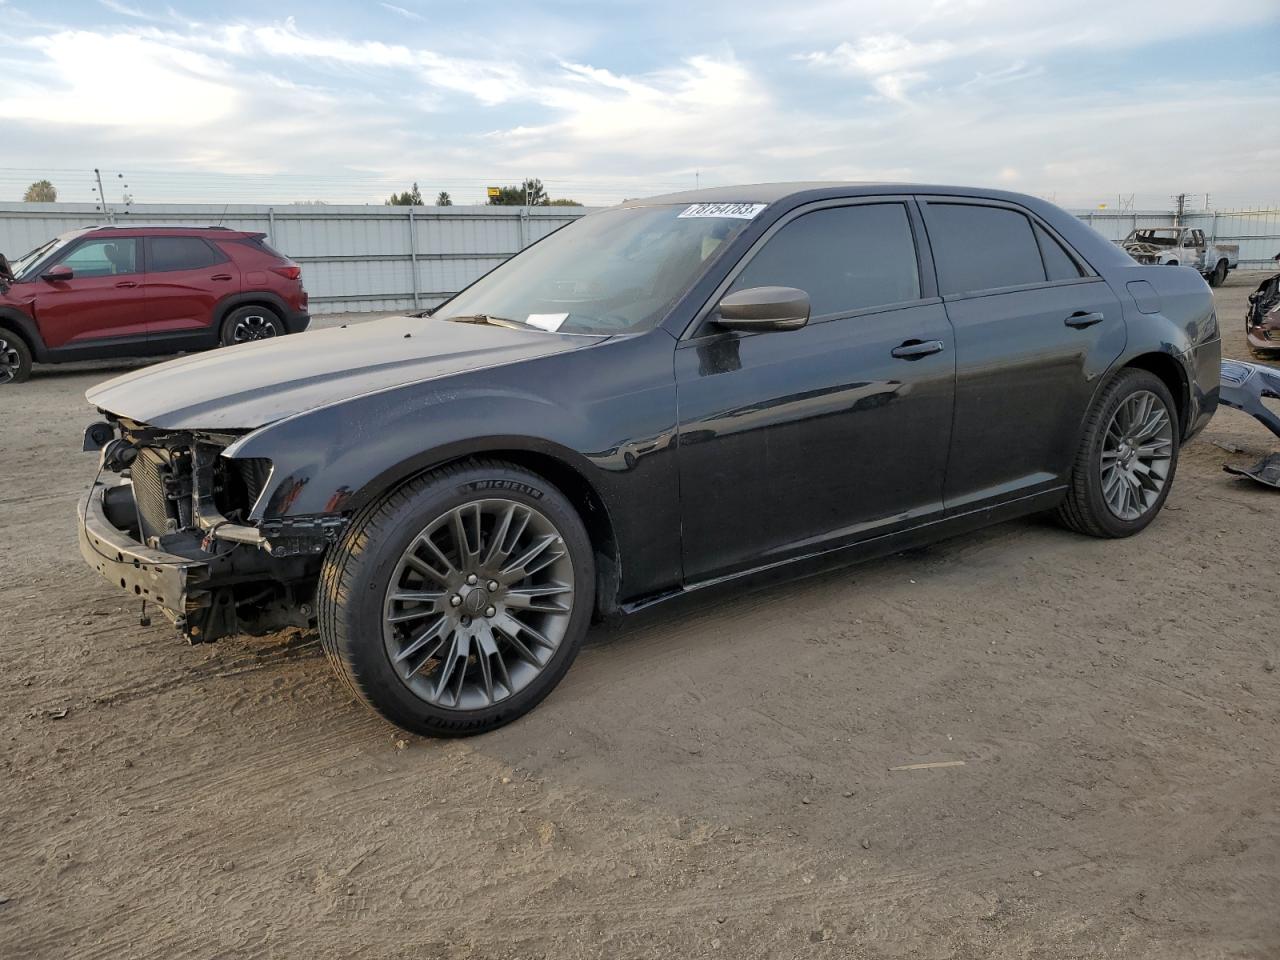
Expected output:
(546, 321)
(738, 211)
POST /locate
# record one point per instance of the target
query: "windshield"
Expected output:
(25, 261)
(617, 271)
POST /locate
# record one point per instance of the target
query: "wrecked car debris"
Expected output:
(1262, 319)
(1244, 387)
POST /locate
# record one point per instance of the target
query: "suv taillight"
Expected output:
(291, 272)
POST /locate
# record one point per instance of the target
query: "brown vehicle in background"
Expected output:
(1262, 321)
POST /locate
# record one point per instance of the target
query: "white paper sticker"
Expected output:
(738, 211)
(546, 321)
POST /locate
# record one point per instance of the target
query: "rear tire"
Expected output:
(1219, 275)
(15, 358)
(449, 640)
(1124, 468)
(247, 324)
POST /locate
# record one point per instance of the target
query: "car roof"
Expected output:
(174, 229)
(819, 190)
(1096, 249)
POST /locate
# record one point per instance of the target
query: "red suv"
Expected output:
(131, 291)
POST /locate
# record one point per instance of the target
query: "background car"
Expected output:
(132, 291)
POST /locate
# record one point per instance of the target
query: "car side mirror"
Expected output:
(60, 273)
(764, 308)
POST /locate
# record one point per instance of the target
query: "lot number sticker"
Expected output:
(546, 321)
(739, 211)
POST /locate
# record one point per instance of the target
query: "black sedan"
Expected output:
(663, 395)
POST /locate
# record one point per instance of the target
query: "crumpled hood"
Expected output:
(247, 386)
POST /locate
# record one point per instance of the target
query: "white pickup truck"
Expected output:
(1183, 246)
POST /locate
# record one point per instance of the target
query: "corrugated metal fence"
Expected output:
(1256, 231)
(352, 257)
(399, 258)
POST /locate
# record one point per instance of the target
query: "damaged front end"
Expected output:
(1262, 319)
(169, 519)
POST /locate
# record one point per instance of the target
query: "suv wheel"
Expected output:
(15, 358)
(455, 604)
(1126, 461)
(246, 324)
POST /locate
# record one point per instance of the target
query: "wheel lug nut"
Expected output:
(472, 579)
(489, 611)
(493, 585)
(455, 601)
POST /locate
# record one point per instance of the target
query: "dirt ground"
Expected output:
(712, 779)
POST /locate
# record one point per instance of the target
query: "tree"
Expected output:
(565, 202)
(42, 191)
(410, 198)
(531, 193)
(443, 199)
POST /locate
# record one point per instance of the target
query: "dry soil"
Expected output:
(712, 779)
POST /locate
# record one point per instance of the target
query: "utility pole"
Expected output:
(106, 207)
(1181, 200)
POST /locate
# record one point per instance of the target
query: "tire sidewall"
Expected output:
(229, 323)
(362, 644)
(1129, 382)
(24, 356)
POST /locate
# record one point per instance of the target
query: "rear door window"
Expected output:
(179, 253)
(103, 258)
(982, 248)
(1058, 264)
(845, 258)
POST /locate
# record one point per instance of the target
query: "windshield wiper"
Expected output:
(491, 320)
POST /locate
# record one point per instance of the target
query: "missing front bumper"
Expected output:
(234, 587)
(179, 586)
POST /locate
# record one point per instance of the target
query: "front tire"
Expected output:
(15, 358)
(247, 324)
(1127, 459)
(457, 602)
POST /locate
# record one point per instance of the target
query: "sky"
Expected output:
(1085, 102)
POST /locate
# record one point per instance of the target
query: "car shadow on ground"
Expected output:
(103, 368)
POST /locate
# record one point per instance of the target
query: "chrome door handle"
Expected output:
(1080, 319)
(915, 349)
(127, 283)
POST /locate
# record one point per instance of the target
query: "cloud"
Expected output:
(124, 10)
(882, 54)
(183, 87)
(401, 11)
(982, 92)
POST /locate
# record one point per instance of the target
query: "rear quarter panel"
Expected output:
(1179, 321)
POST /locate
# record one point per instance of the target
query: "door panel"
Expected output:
(104, 297)
(1034, 333)
(1024, 380)
(793, 442)
(185, 279)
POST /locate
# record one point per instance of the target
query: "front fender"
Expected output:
(608, 414)
(25, 327)
(340, 458)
